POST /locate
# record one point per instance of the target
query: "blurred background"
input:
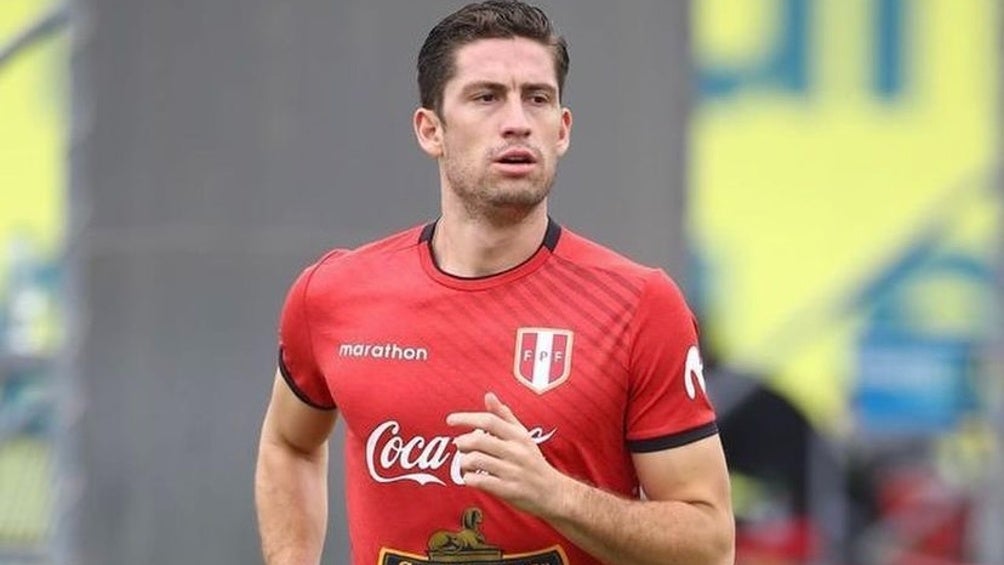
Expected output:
(822, 176)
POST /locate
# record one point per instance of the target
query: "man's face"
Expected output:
(502, 128)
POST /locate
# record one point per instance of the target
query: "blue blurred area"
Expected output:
(914, 378)
(29, 321)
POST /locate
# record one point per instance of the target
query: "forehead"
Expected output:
(504, 60)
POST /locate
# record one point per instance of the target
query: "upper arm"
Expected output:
(668, 406)
(293, 423)
(694, 473)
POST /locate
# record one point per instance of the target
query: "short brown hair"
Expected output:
(485, 20)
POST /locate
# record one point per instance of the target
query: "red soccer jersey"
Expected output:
(596, 355)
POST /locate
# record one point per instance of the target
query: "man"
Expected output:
(512, 392)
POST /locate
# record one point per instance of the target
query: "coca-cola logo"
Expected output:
(393, 457)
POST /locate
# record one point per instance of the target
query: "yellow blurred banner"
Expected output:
(842, 199)
(32, 118)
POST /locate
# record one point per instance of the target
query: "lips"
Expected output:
(516, 162)
(516, 156)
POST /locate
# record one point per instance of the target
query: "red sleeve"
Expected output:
(296, 352)
(668, 405)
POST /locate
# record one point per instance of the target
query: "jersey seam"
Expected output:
(633, 325)
(625, 364)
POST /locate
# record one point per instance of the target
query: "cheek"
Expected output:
(458, 144)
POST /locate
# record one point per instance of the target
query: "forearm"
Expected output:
(689, 519)
(291, 499)
(635, 532)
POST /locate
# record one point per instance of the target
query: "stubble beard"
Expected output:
(495, 197)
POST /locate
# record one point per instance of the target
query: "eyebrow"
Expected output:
(500, 87)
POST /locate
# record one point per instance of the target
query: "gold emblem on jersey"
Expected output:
(469, 546)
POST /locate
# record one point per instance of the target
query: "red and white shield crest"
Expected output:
(543, 357)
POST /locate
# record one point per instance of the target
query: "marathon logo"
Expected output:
(392, 351)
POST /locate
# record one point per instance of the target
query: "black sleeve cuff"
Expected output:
(673, 440)
(286, 376)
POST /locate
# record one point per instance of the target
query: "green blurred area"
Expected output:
(25, 489)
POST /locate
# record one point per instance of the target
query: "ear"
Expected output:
(564, 134)
(429, 132)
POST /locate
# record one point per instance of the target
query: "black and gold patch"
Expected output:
(469, 546)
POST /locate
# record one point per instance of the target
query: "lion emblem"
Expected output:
(466, 543)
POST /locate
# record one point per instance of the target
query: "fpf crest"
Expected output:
(543, 357)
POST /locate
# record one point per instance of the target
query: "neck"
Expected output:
(466, 246)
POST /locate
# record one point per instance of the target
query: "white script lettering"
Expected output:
(391, 457)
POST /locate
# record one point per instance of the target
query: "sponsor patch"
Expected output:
(469, 546)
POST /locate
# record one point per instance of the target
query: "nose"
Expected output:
(515, 121)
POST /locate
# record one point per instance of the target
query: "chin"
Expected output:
(520, 190)
(502, 196)
(529, 198)
(506, 206)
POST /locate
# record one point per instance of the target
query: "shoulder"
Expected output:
(584, 254)
(340, 266)
(340, 259)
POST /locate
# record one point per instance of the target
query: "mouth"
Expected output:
(516, 161)
(516, 155)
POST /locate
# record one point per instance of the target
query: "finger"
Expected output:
(476, 420)
(487, 474)
(480, 440)
(494, 405)
(481, 463)
(491, 423)
(483, 481)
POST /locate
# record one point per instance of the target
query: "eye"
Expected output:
(540, 98)
(485, 97)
